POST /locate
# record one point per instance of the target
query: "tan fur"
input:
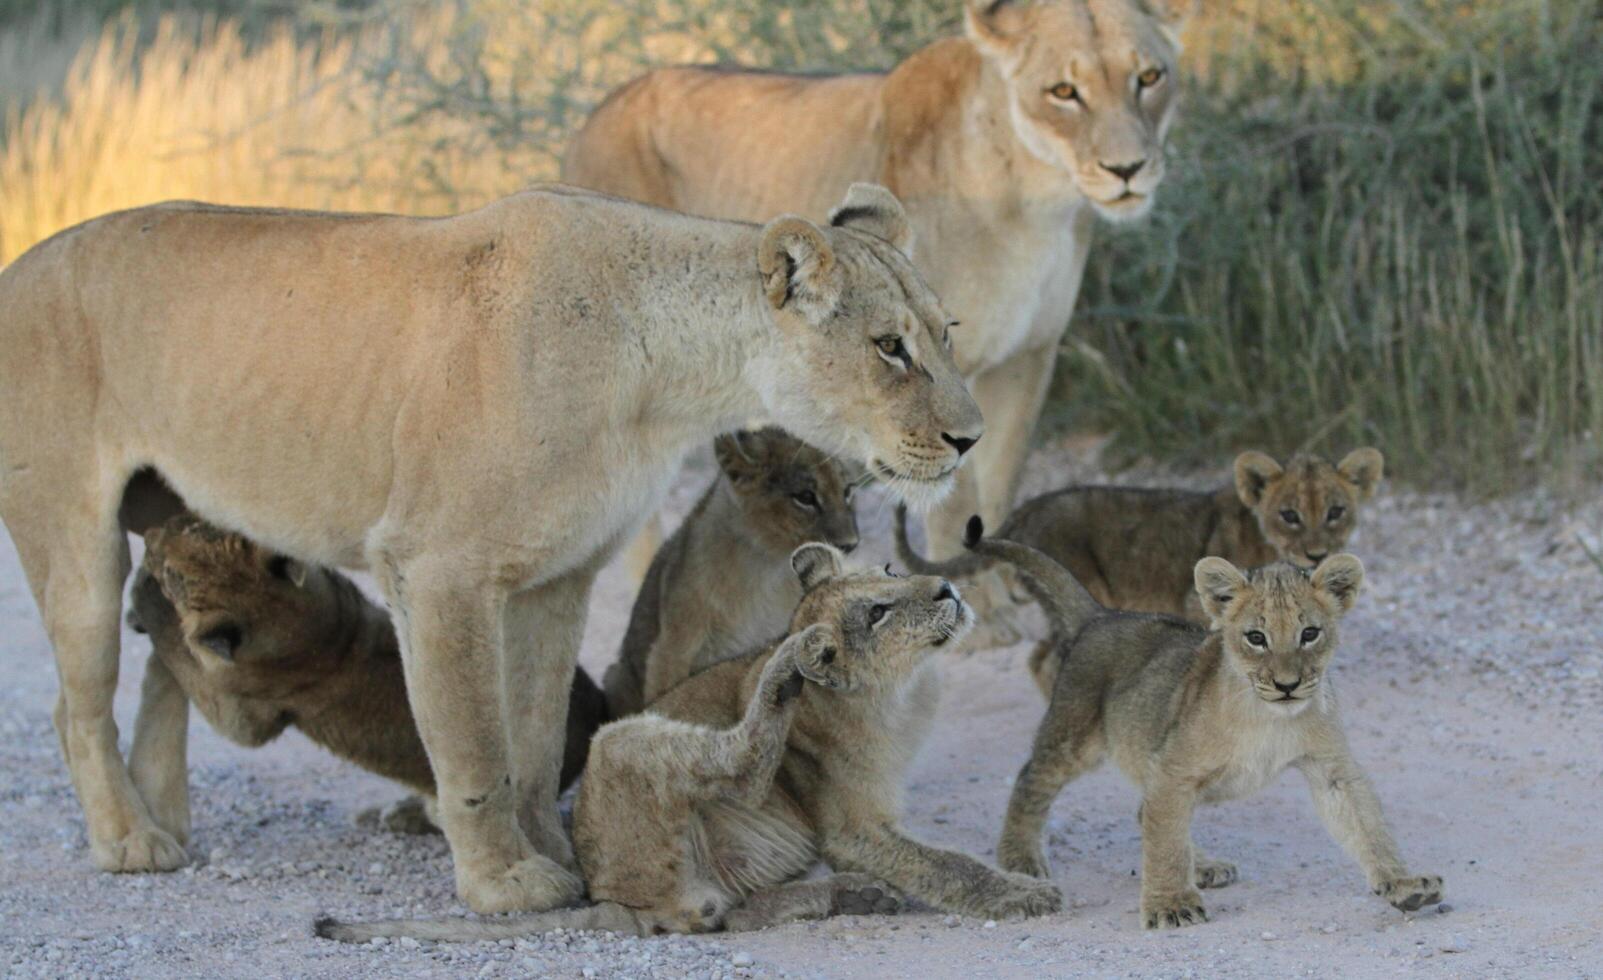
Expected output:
(695, 814)
(479, 409)
(1193, 715)
(259, 643)
(1000, 180)
(722, 585)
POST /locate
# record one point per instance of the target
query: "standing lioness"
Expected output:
(1003, 144)
(476, 408)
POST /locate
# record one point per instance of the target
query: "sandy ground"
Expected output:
(1470, 674)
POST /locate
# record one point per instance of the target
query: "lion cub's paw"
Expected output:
(142, 850)
(1023, 858)
(816, 656)
(1215, 874)
(1173, 911)
(1024, 897)
(1412, 894)
(533, 884)
(857, 894)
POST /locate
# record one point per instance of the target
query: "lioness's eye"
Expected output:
(892, 348)
(1256, 638)
(1310, 634)
(877, 615)
(1150, 77)
(1291, 517)
(1335, 513)
(806, 499)
(1064, 92)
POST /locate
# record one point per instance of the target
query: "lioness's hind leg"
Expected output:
(840, 894)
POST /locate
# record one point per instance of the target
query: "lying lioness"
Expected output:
(479, 409)
(259, 642)
(1194, 715)
(722, 585)
(705, 811)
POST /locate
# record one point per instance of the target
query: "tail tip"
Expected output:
(328, 927)
(973, 532)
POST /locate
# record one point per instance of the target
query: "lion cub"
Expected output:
(1194, 715)
(259, 642)
(722, 586)
(708, 809)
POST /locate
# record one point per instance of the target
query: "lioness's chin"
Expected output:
(919, 494)
(1128, 207)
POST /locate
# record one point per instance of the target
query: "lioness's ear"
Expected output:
(1363, 467)
(1217, 582)
(1339, 577)
(798, 268)
(1172, 16)
(815, 563)
(875, 210)
(993, 24)
(1254, 470)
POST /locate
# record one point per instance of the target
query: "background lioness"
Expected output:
(1193, 715)
(477, 408)
(1003, 144)
(722, 584)
(704, 810)
(260, 642)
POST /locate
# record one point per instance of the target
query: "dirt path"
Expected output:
(1470, 675)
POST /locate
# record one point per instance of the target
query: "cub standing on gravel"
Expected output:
(1194, 715)
(705, 811)
(259, 642)
(722, 585)
(478, 408)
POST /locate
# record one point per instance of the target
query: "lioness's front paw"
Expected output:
(1412, 894)
(144, 849)
(533, 884)
(1173, 911)
(1021, 857)
(1214, 874)
(1024, 897)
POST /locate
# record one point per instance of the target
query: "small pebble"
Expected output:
(742, 959)
(990, 924)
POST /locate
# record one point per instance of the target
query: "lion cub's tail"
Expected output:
(604, 916)
(959, 567)
(1067, 604)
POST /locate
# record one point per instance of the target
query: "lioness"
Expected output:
(1134, 548)
(476, 408)
(704, 811)
(260, 642)
(1003, 143)
(1194, 715)
(722, 584)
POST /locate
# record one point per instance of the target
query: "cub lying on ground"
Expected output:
(722, 584)
(259, 642)
(1134, 547)
(707, 809)
(1194, 715)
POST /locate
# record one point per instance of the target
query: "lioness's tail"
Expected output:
(1067, 604)
(604, 916)
(959, 567)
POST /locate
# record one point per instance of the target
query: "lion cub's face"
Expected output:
(1092, 88)
(789, 492)
(238, 604)
(864, 365)
(1309, 508)
(1278, 623)
(884, 623)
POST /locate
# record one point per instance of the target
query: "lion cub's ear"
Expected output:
(798, 268)
(739, 455)
(815, 563)
(1254, 471)
(873, 209)
(1218, 582)
(1340, 577)
(1363, 468)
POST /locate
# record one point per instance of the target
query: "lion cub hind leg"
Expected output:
(839, 894)
(1069, 743)
(1210, 872)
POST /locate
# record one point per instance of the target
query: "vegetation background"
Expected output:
(1384, 222)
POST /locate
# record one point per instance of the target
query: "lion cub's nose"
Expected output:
(945, 592)
(1317, 556)
(960, 443)
(1288, 688)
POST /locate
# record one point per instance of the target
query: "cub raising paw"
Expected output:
(1194, 715)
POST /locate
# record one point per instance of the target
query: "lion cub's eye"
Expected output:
(1064, 92)
(1309, 635)
(1150, 77)
(877, 615)
(1291, 517)
(279, 568)
(1256, 638)
(892, 348)
(806, 500)
(1335, 513)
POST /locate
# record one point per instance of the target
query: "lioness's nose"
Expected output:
(960, 443)
(1124, 171)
